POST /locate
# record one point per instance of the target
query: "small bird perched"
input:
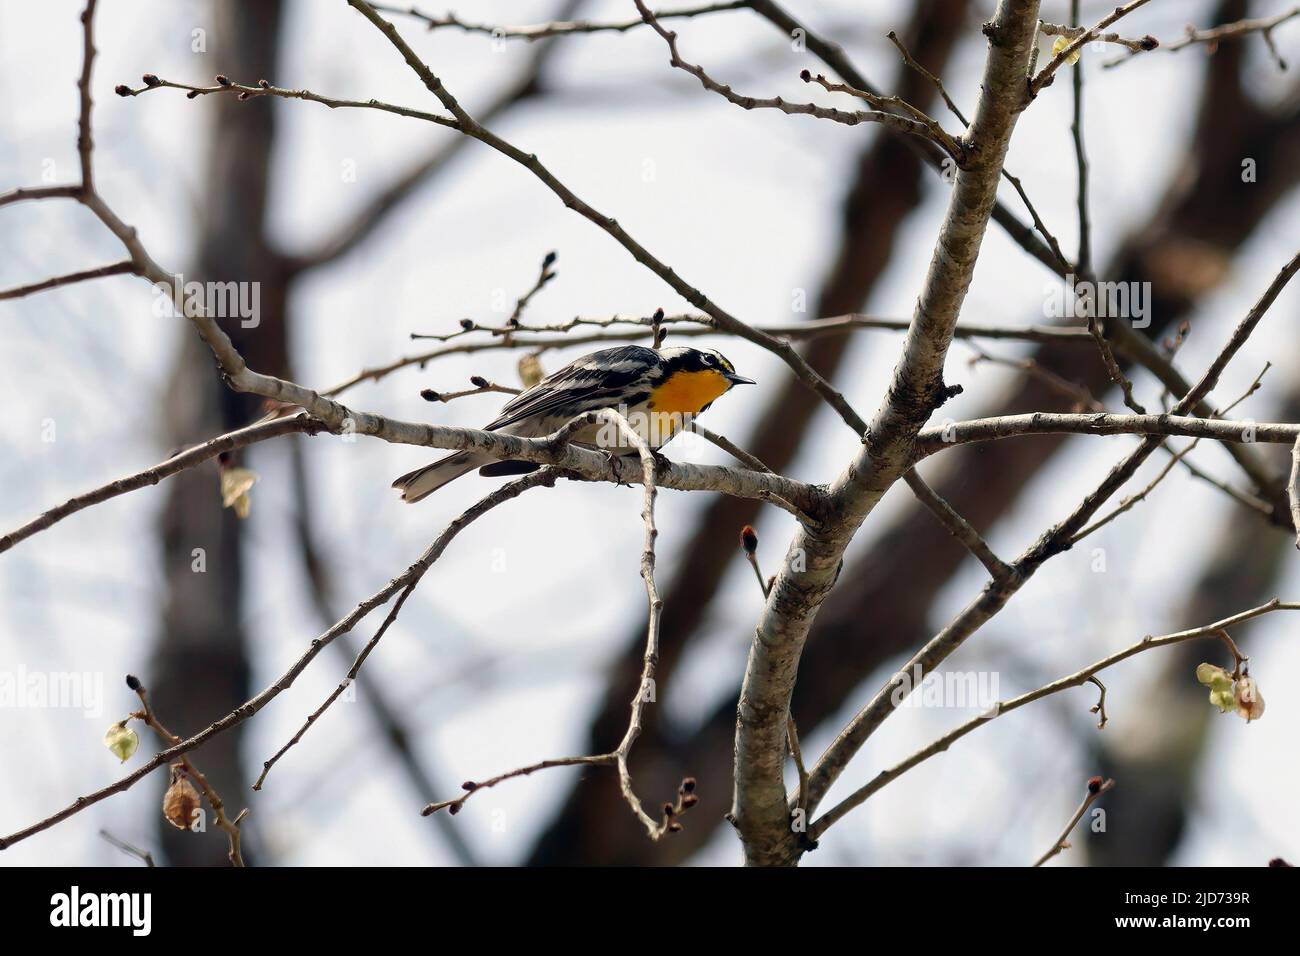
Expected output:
(659, 389)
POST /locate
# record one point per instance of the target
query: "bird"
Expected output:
(658, 390)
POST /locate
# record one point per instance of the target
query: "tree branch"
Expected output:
(556, 27)
(174, 465)
(1000, 709)
(116, 269)
(760, 810)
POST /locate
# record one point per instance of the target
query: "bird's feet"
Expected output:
(611, 460)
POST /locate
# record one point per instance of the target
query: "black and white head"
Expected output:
(684, 359)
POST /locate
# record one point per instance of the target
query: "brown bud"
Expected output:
(122, 89)
(469, 785)
(223, 80)
(151, 80)
(674, 827)
(1148, 42)
(429, 395)
(191, 94)
(1277, 861)
(669, 810)
(689, 800)
(264, 84)
(133, 682)
(805, 76)
(749, 539)
(244, 94)
(1094, 784)
(659, 315)
(688, 785)
(478, 381)
(467, 324)
(180, 802)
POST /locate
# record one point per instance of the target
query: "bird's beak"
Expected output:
(735, 379)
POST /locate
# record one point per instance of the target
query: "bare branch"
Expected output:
(815, 328)
(732, 449)
(926, 129)
(264, 88)
(507, 492)
(241, 713)
(27, 193)
(1229, 31)
(724, 320)
(1048, 73)
(556, 27)
(885, 103)
(1000, 709)
(958, 527)
(1139, 45)
(760, 810)
(144, 856)
(655, 829)
(833, 56)
(116, 269)
(1052, 542)
(938, 437)
(223, 822)
(174, 465)
(1096, 787)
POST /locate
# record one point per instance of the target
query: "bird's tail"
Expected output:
(423, 482)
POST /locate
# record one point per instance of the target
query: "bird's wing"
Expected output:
(590, 383)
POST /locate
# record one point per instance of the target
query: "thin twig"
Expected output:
(886, 103)
(796, 754)
(1076, 393)
(1099, 708)
(126, 267)
(1096, 787)
(244, 92)
(144, 856)
(544, 275)
(507, 492)
(686, 326)
(618, 758)
(1229, 31)
(554, 28)
(1139, 45)
(1084, 259)
(730, 447)
(959, 527)
(1045, 76)
(262, 431)
(1002, 708)
(231, 827)
(1062, 263)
